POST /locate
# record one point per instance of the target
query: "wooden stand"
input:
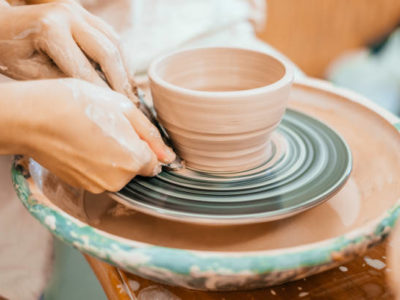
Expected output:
(360, 279)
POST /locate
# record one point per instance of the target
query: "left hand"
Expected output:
(58, 39)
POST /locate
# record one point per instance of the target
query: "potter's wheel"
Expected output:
(243, 256)
(308, 162)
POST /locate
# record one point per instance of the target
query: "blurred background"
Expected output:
(355, 44)
(313, 33)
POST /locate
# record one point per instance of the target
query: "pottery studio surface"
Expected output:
(209, 257)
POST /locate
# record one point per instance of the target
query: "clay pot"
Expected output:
(220, 105)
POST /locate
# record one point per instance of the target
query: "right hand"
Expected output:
(89, 136)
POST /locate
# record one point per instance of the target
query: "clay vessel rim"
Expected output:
(286, 79)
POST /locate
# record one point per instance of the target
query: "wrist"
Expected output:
(17, 116)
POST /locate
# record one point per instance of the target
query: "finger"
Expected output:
(102, 26)
(152, 167)
(149, 133)
(110, 33)
(130, 71)
(65, 53)
(100, 49)
(39, 67)
(144, 161)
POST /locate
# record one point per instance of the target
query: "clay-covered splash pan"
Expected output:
(360, 215)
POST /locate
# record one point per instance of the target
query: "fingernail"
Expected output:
(169, 155)
(157, 169)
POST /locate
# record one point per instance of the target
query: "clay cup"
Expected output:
(220, 105)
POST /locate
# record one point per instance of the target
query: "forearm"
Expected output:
(6, 3)
(38, 1)
(44, 1)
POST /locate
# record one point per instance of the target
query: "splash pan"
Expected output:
(210, 257)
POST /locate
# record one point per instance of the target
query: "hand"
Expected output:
(89, 136)
(58, 39)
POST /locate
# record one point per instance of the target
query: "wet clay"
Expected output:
(220, 105)
(372, 189)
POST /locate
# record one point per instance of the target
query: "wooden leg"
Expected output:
(111, 280)
(363, 278)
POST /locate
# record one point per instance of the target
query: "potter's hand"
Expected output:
(89, 136)
(57, 40)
